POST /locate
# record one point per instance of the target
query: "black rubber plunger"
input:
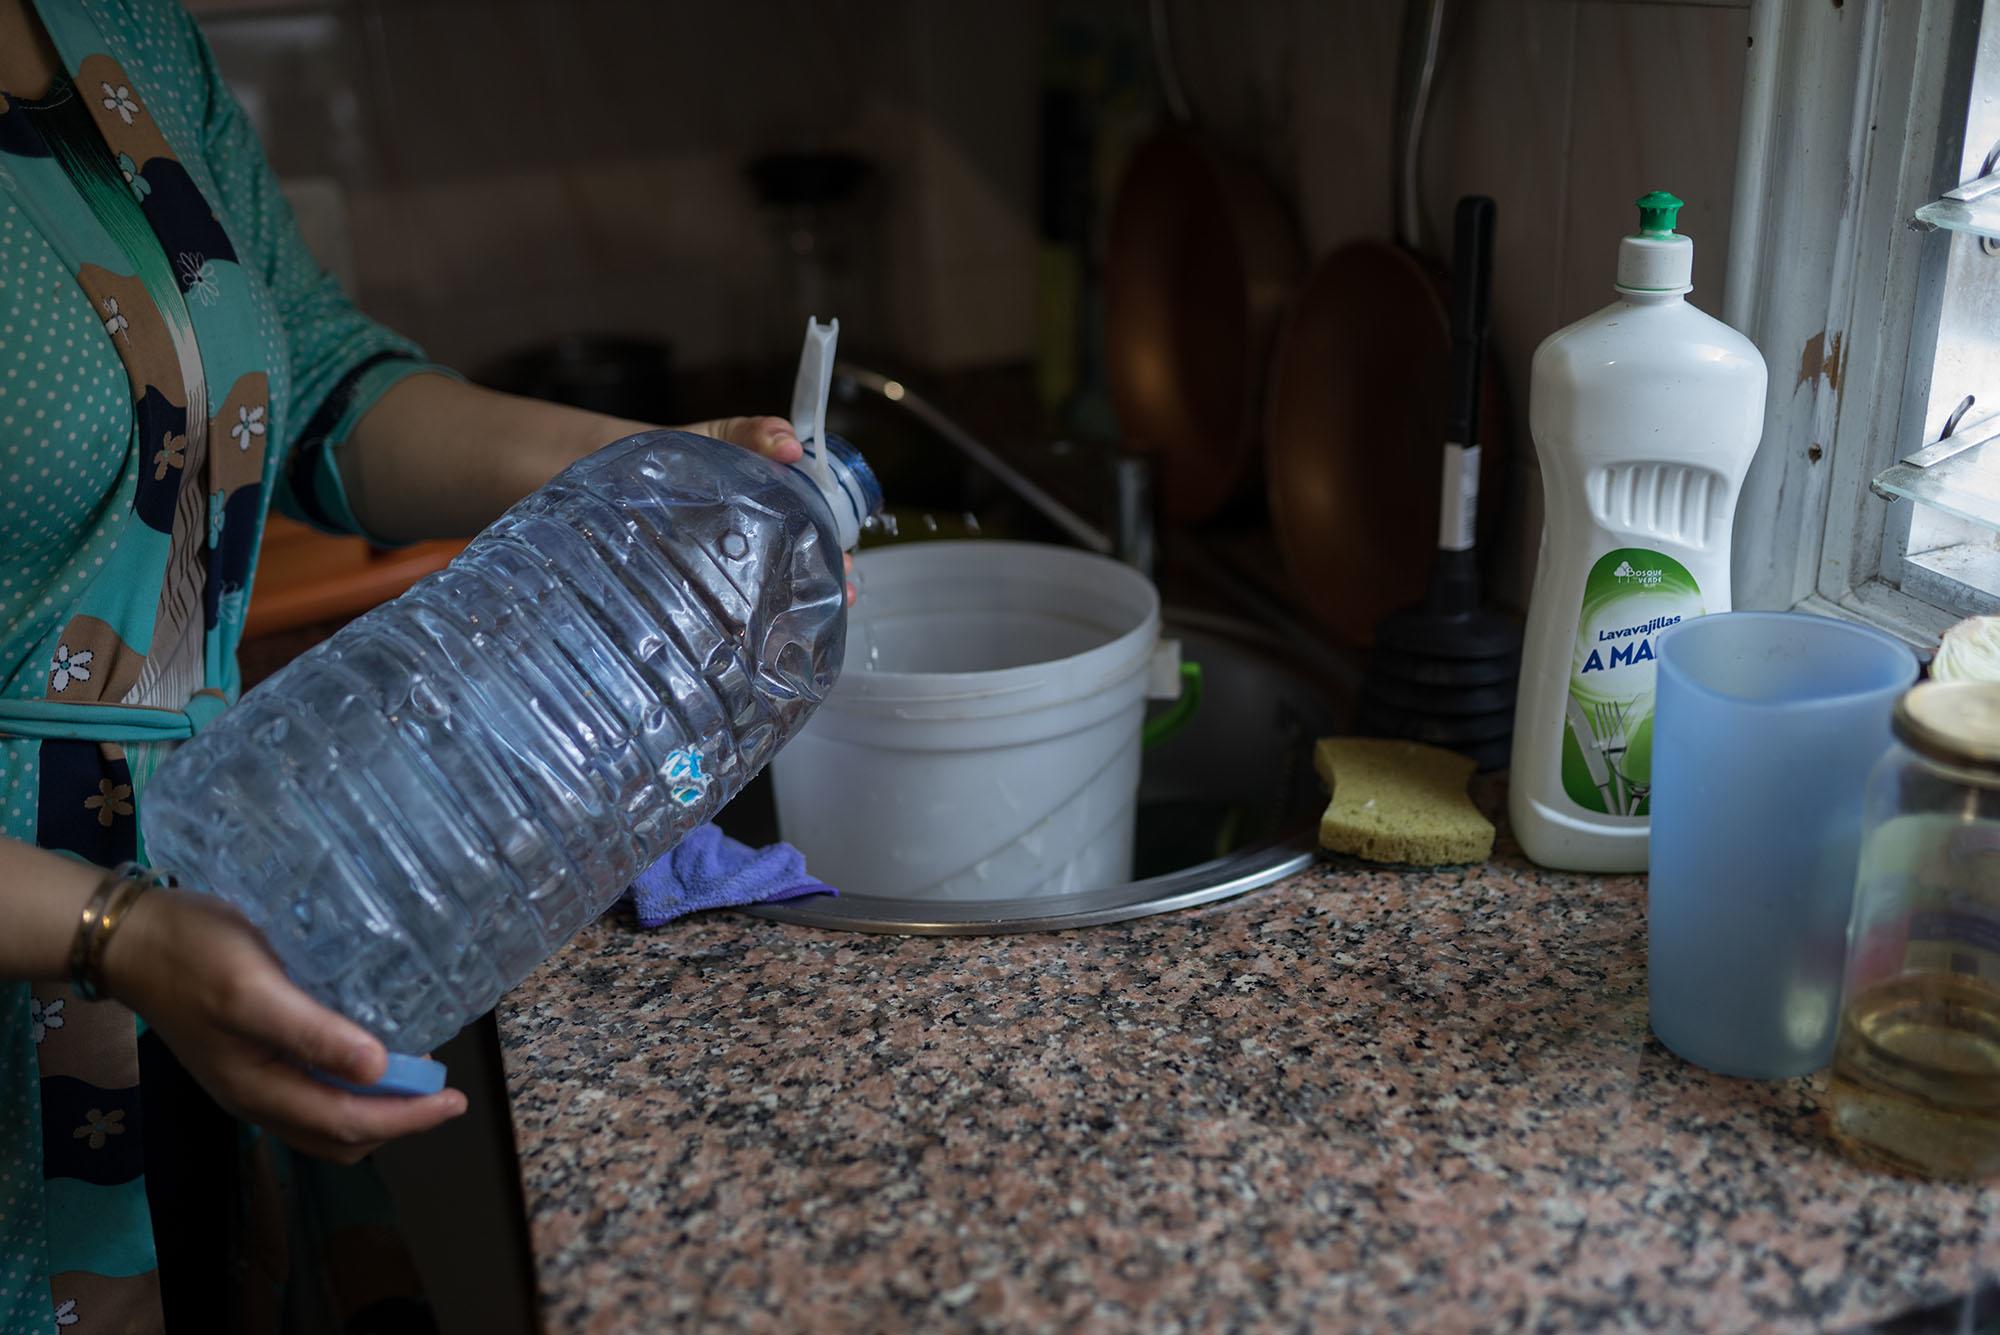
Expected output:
(1444, 671)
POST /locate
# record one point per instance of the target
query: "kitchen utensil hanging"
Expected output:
(1202, 256)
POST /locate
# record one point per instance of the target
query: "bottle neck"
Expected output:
(1641, 297)
(845, 485)
(1655, 263)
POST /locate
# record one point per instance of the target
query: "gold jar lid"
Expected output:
(1954, 722)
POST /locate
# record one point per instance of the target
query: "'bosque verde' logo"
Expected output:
(1629, 574)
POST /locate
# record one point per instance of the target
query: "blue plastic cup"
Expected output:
(1765, 727)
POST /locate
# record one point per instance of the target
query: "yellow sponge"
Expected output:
(1400, 802)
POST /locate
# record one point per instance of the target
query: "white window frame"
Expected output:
(1853, 117)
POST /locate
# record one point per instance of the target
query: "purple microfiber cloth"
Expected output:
(709, 870)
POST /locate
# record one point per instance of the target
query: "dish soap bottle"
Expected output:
(1645, 417)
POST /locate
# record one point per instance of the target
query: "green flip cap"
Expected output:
(1656, 213)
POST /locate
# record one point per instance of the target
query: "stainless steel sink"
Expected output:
(1226, 805)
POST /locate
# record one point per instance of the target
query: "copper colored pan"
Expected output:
(1202, 257)
(1357, 408)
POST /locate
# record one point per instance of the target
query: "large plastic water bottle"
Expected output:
(421, 809)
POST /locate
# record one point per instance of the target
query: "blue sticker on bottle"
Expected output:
(689, 780)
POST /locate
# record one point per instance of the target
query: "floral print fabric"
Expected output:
(172, 362)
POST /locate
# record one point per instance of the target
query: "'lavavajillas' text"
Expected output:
(1625, 655)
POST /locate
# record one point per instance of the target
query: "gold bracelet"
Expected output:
(107, 908)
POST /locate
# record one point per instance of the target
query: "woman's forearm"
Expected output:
(438, 458)
(41, 898)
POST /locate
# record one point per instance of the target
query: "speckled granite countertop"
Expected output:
(1360, 1098)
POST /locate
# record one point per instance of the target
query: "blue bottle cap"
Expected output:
(406, 1076)
(871, 490)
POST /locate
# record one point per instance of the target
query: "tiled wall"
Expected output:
(1562, 110)
(511, 170)
(515, 169)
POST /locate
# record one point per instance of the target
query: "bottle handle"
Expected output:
(809, 398)
(407, 1076)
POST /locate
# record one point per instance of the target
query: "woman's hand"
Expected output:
(771, 437)
(203, 977)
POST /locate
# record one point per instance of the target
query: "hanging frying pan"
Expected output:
(1201, 258)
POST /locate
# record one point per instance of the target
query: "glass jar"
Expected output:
(1916, 1068)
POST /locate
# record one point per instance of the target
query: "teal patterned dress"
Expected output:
(172, 362)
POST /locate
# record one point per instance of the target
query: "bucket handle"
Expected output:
(1171, 679)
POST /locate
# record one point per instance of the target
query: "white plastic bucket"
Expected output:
(983, 740)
